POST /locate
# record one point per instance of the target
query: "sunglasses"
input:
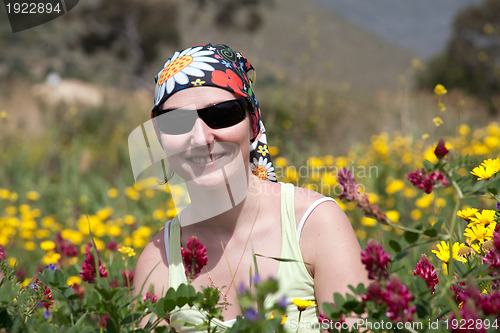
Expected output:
(220, 115)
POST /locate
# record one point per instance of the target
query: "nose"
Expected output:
(201, 134)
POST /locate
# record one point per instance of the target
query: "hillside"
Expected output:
(300, 40)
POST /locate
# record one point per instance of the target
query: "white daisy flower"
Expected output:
(191, 61)
(263, 169)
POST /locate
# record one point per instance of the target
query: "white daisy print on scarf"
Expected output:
(262, 169)
(191, 61)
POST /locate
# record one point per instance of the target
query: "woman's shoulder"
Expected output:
(152, 264)
(306, 199)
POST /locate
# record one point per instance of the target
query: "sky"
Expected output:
(421, 26)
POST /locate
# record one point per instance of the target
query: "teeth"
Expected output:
(205, 160)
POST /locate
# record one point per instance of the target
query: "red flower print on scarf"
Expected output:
(228, 79)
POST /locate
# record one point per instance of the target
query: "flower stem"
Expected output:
(298, 324)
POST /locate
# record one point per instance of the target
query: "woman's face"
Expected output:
(206, 156)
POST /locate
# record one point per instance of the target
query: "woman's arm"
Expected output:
(151, 270)
(329, 243)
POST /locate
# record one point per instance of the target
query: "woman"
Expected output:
(208, 122)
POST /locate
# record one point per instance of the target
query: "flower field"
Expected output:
(425, 209)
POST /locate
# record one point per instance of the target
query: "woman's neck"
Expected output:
(222, 207)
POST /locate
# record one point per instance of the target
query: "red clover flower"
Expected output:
(350, 192)
(376, 261)
(441, 150)
(493, 257)
(427, 271)
(3, 254)
(88, 272)
(397, 298)
(152, 297)
(427, 181)
(194, 258)
(65, 247)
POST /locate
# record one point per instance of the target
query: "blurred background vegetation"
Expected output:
(73, 89)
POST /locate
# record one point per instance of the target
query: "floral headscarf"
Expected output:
(217, 66)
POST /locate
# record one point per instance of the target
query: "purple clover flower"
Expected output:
(194, 257)
(51, 267)
(252, 315)
(427, 181)
(425, 270)
(376, 261)
(283, 302)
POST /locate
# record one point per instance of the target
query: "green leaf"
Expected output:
(59, 279)
(339, 301)
(192, 295)
(431, 232)
(395, 245)
(421, 310)
(182, 295)
(328, 308)
(80, 320)
(411, 237)
(160, 309)
(170, 300)
(111, 325)
(439, 223)
(428, 166)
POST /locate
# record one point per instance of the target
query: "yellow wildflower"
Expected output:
(484, 172)
(32, 196)
(29, 246)
(425, 136)
(114, 230)
(393, 215)
(495, 164)
(416, 214)
(478, 233)
(302, 304)
(130, 219)
(467, 213)
(443, 251)
(394, 186)
(48, 245)
(132, 193)
(425, 200)
(283, 318)
(367, 221)
(73, 279)
(4, 194)
(486, 216)
(437, 121)
(113, 193)
(315, 162)
(464, 130)
(440, 90)
(74, 236)
(126, 251)
(273, 150)
(104, 213)
(51, 258)
(442, 107)
(281, 162)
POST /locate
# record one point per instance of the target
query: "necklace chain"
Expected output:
(224, 295)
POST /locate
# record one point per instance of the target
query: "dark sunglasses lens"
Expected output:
(225, 114)
(177, 121)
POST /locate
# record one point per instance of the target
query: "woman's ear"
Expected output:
(252, 126)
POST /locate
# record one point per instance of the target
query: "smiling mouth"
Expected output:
(205, 160)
